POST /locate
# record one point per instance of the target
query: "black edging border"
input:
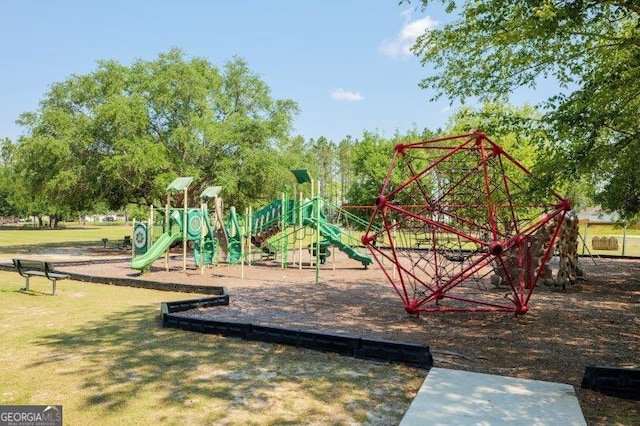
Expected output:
(620, 382)
(410, 354)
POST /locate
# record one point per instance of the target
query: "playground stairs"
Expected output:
(261, 237)
(270, 220)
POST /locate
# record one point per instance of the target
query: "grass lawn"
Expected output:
(99, 351)
(80, 236)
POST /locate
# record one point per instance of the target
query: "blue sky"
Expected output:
(345, 62)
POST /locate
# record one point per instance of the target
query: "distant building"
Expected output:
(106, 218)
(596, 214)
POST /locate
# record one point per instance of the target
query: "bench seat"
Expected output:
(36, 268)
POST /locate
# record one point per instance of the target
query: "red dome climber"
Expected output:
(462, 228)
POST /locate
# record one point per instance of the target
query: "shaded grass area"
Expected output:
(77, 234)
(32, 242)
(99, 351)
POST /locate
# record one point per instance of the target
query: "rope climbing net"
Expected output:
(461, 223)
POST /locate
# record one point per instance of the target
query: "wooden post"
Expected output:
(133, 239)
(317, 208)
(301, 231)
(184, 231)
(242, 243)
(203, 228)
(249, 214)
(283, 218)
(150, 223)
(584, 241)
(167, 228)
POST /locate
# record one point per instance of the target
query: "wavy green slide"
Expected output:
(156, 250)
(334, 234)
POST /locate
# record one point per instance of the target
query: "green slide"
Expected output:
(334, 234)
(208, 249)
(156, 250)
(234, 236)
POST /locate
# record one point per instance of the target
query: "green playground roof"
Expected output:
(211, 192)
(180, 183)
(302, 176)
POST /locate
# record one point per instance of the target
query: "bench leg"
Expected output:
(54, 287)
(26, 280)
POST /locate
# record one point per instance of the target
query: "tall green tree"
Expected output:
(370, 158)
(325, 156)
(496, 120)
(8, 182)
(120, 134)
(590, 49)
(294, 153)
(345, 167)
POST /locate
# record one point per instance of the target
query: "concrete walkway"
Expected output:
(452, 397)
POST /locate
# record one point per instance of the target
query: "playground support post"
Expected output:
(167, 225)
(249, 216)
(203, 231)
(300, 230)
(133, 239)
(184, 230)
(283, 225)
(317, 208)
(243, 241)
(150, 223)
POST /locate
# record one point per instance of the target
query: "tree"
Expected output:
(324, 152)
(294, 153)
(496, 120)
(7, 180)
(121, 134)
(345, 167)
(371, 157)
(591, 49)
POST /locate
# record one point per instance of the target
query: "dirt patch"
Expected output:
(594, 322)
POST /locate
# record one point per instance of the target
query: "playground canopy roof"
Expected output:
(180, 183)
(211, 192)
(302, 176)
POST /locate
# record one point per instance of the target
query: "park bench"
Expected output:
(126, 243)
(38, 268)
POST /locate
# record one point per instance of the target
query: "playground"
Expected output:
(298, 263)
(593, 322)
(289, 228)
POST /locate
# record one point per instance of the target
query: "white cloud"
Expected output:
(344, 95)
(406, 38)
